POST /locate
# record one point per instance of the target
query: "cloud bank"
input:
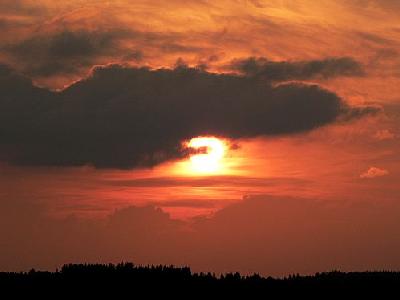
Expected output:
(283, 236)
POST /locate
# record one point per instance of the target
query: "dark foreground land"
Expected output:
(143, 282)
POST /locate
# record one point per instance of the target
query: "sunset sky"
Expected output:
(253, 136)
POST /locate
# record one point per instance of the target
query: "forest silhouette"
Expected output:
(119, 279)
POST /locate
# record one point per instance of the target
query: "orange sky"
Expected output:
(346, 173)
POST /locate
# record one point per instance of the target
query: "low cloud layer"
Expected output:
(283, 236)
(125, 117)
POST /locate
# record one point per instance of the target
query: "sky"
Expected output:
(252, 136)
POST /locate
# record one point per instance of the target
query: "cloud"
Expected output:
(127, 117)
(225, 180)
(384, 134)
(264, 234)
(374, 172)
(9, 24)
(22, 7)
(390, 5)
(66, 52)
(73, 52)
(375, 38)
(297, 70)
(212, 31)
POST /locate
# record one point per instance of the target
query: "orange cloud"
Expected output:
(384, 134)
(373, 172)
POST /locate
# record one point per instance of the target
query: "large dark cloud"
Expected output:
(125, 117)
(297, 70)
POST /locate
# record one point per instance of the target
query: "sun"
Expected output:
(208, 156)
(209, 159)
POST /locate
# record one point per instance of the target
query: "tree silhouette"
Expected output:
(129, 279)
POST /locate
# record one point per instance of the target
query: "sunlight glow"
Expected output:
(207, 156)
(212, 151)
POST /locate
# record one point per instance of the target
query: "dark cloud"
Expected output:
(297, 70)
(126, 117)
(21, 7)
(392, 5)
(65, 52)
(375, 38)
(135, 56)
(6, 24)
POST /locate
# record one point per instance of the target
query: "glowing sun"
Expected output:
(211, 152)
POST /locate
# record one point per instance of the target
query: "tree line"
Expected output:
(118, 279)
